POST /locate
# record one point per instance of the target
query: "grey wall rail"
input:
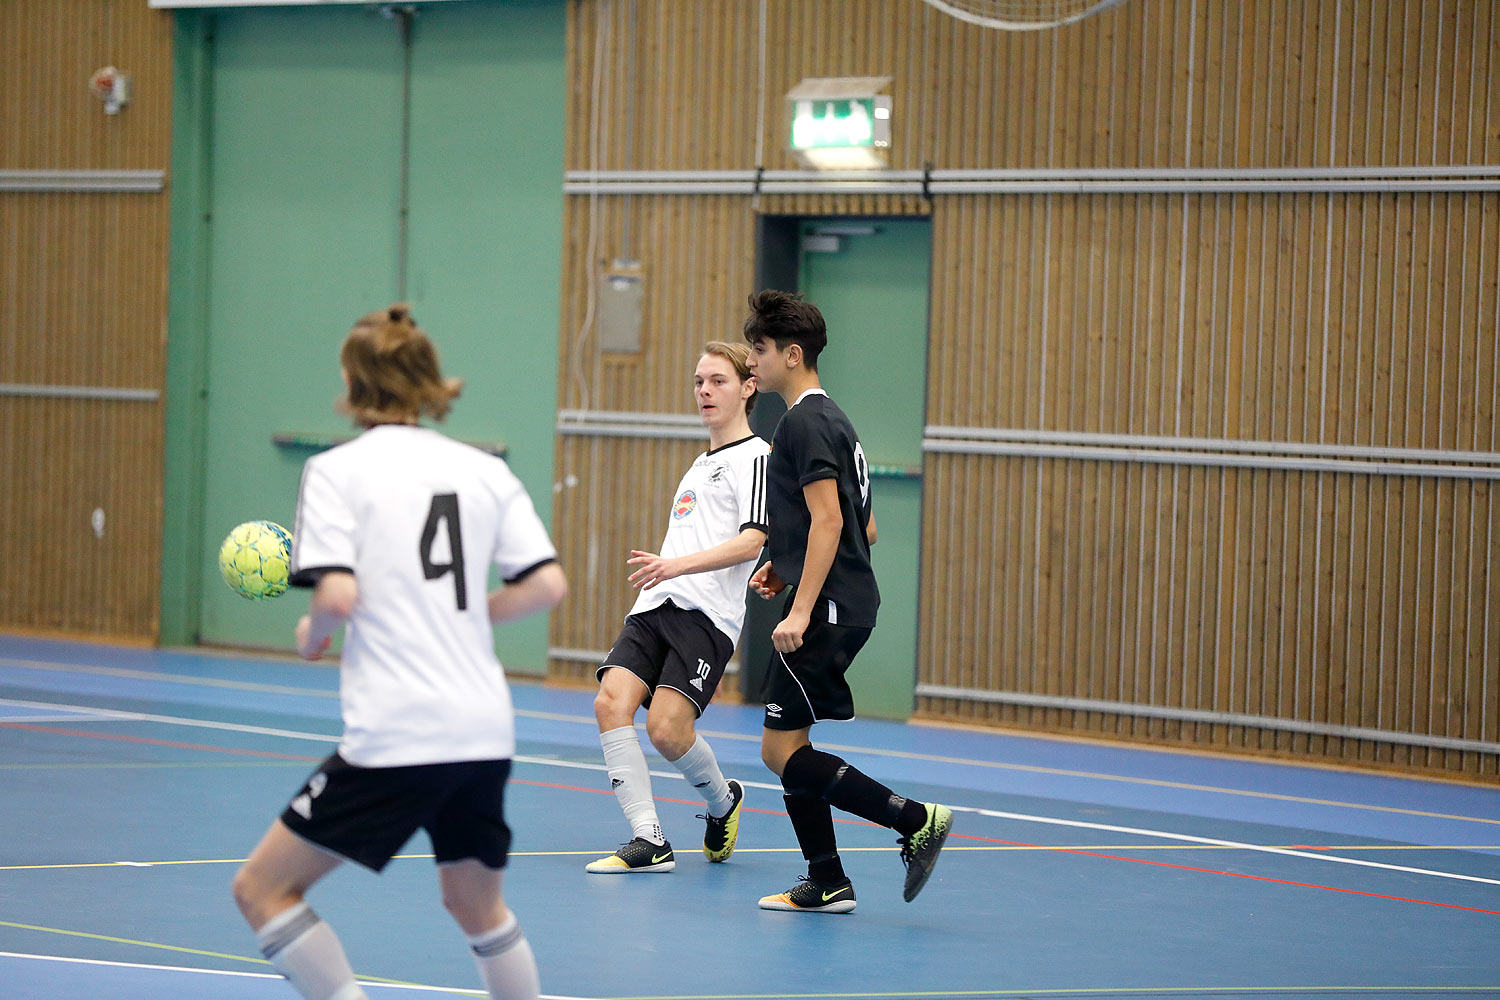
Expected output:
(1150, 450)
(1458, 178)
(64, 181)
(78, 392)
(1200, 715)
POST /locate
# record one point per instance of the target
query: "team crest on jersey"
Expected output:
(716, 477)
(685, 505)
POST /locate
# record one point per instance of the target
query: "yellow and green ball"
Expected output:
(256, 558)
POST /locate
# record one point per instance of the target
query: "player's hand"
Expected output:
(653, 569)
(787, 636)
(766, 583)
(306, 648)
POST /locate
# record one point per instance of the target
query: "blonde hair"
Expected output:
(737, 355)
(392, 370)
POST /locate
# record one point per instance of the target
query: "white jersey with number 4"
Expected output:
(418, 518)
(722, 494)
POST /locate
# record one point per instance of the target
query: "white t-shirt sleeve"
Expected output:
(522, 542)
(323, 538)
(750, 486)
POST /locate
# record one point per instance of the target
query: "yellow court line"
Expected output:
(870, 751)
(143, 944)
(173, 947)
(791, 850)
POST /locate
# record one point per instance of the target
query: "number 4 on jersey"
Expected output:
(445, 509)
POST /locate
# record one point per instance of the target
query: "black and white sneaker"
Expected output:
(919, 852)
(639, 855)
(808, 896)
(722, 832)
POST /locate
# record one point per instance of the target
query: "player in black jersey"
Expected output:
(821, 528)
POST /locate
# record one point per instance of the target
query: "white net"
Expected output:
(1020, 15)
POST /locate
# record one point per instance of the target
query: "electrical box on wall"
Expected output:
(620, 295)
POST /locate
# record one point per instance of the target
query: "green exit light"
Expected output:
(842, 123)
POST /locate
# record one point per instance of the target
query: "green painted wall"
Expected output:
(873, 294)
(297, 114)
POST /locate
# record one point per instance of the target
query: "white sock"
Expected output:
(300, 946)
(631, 781)
(506, 963)
(701, 768)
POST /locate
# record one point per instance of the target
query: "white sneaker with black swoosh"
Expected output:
(639, 855)
(808, 896)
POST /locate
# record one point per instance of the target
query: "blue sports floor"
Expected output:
(132, 782)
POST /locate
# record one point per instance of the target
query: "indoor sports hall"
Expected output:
(1171, 333)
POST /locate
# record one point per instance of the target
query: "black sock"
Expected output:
(813, 823)
(814, 772)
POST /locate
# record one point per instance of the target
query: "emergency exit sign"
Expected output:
(841, 123)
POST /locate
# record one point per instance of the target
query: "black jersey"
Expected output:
(815, 440)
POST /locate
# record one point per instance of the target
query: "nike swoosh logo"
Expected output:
(658, 859)
(829, 895)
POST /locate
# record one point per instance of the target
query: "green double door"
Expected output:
(350, 160)
(871, 280)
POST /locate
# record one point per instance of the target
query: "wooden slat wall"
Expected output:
(83, 289)
(1351, 318)
(698, 255)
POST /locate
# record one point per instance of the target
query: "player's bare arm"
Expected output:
(655, 568)
(822, 498)
(870, 529)
(540, 590)
(330, 606)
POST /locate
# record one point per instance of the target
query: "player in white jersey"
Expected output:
(681, 632)
(396, 532)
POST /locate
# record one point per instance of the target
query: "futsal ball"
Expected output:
(256, 559)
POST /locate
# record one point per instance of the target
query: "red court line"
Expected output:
(769, 812)
(1258, 878)
(117, 737)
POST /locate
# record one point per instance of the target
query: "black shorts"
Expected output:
(808, 685)
(669, 647)
(366, 814)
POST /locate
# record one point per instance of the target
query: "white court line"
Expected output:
(261, 975)
(1023, 817)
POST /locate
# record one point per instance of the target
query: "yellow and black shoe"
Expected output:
(808, 896)
(919, 851)
(720, 833)
(640, 855)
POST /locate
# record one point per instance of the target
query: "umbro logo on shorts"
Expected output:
(773, 710)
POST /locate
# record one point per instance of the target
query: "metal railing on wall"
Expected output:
(1032, 700)
(37, 391)
(1153, 450)
(68, 181)
(1376, 180)
(1165, 450)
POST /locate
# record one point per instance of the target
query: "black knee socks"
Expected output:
(812, 821)
(814, 773)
